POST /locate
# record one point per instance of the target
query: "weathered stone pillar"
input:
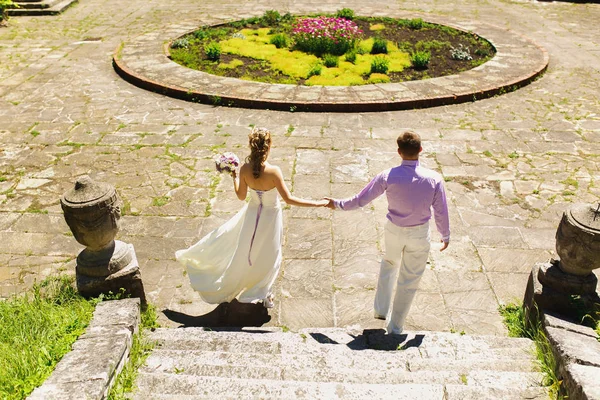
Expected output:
(91, 210)
(553, 285)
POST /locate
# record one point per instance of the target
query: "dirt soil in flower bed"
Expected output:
(437, 39)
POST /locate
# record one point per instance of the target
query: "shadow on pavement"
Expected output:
(377, 339)
(233, 314)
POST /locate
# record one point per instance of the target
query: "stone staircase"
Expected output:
(40, 7)
(332, 363)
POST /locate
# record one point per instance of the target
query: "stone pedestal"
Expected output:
(105, 265)
(568, 286)
(551, 289)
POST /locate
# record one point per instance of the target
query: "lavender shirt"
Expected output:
(411, 192)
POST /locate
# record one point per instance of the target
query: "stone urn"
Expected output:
(91, 210)
(569, 283)
(578, 240)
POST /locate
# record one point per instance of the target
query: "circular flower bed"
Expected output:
(327, 50)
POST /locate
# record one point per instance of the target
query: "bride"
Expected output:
(241, 258)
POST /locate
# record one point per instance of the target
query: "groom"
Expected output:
(411, 190)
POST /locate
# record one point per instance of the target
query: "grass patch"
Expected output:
(160, 201)
(37, 329)
(514, 320)
(140, 350)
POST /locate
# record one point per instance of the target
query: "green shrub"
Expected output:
(432, 45)
(482, 52)
(280, 40)
(420, 59)
(213, 51)
(315, 69)
(380, 65)
(271, 17)
(351, 56)
(287, 17)
(379, 46)
(415, 24)
(185, 58)
(5, 5)
(346, 13)
(200, 34)
(182, 43)
(406, 47)
(330, 60)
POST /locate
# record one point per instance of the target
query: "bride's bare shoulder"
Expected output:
(272, 169)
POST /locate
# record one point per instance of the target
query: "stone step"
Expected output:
(37, 4)
(153, 386)
(181, 386)
(452, 392)
(468, 392)
(425, 344)
(336, 363)
(45, 7)
(167, 360)
(369, 373)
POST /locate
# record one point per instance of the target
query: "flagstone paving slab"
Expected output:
(512, 163)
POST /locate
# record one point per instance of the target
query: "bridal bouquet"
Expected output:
(227, 162)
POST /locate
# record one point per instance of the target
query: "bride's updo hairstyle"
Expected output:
(260, 143)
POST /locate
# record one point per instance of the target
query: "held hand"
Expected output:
(321, 203)
(445, 244)
(329, 203)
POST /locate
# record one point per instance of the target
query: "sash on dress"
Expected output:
(260, 206)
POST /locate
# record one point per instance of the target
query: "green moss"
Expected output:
(378, 78)
(231, 65)
(335, 77)
(366, 45)
(295, 64)
(377, 27)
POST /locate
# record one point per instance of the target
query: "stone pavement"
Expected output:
(512, 163)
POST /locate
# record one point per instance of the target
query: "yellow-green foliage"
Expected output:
(297, 64)
(378, 78)
(231, 65)
(398, 61)
(261, 34)
(366, 45)
(335, 77)
(377, 27)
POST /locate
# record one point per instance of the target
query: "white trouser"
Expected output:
(406, 250)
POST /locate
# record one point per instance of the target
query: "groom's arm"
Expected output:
(374, 189)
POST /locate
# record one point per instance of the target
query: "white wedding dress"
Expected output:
(241, 258)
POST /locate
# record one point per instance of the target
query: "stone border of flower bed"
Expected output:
(89, 370)
(144, 62)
